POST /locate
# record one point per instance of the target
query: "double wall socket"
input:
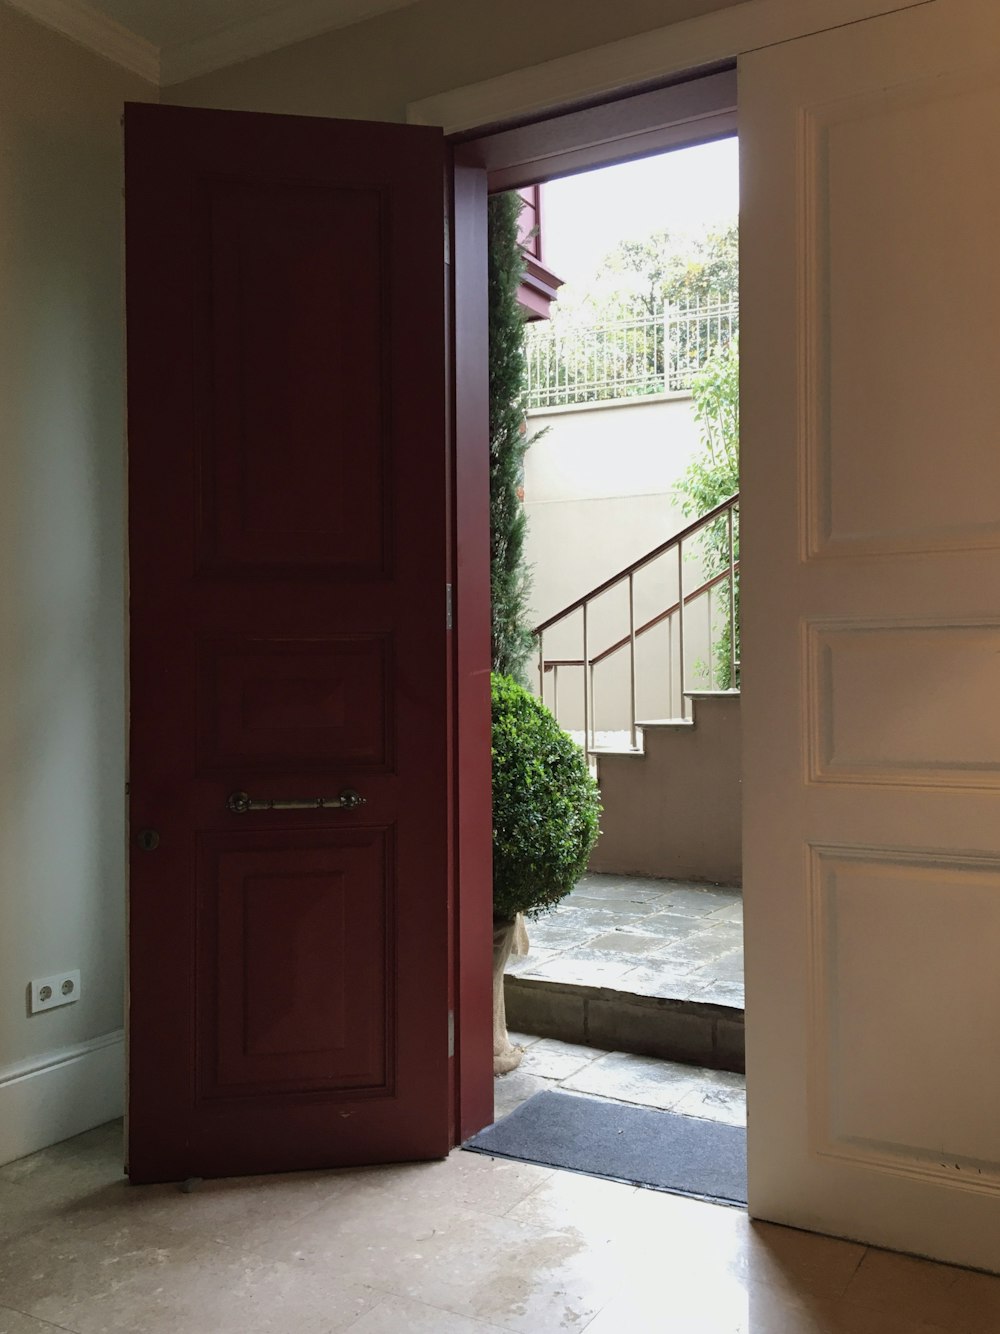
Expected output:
(59, 989)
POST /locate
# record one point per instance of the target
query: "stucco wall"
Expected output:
(599, 493)
(62, 773)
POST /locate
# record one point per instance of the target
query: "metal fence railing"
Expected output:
(627, 358)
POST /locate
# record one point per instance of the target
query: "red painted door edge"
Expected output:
(473, 809)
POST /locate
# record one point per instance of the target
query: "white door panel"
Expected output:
(871, 637)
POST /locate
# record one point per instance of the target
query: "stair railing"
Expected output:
(720, 564)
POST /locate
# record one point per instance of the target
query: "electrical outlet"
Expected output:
(59, 989)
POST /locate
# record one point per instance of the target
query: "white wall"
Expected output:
(62, 774)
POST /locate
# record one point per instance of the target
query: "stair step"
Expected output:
(692, 1031)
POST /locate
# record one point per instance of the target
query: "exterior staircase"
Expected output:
(670, 788)
(672, 808)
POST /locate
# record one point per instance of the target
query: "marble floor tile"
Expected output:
(497, 1270)
(120, 1277)
(470, 1245)
(470, 1181)
(598, 1209)
(401, 1315)
(13, 1322)
(942, 1294)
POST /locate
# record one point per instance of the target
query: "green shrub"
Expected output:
(545, 805)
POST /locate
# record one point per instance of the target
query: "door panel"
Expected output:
(871, 560)
(294, 325)
(311, 702)
(297, 965)
(289, 527)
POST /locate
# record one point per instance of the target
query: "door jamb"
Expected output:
(633, 64)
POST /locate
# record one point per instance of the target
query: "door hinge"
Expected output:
(451, 1033)
(448, 607)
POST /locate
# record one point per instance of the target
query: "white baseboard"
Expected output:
(52, 1097)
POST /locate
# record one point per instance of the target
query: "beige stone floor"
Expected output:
(466, 1246)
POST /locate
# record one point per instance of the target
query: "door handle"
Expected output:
(241, 802)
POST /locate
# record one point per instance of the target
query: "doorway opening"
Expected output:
(631, 990)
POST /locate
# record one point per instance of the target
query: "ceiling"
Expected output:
(167, 41)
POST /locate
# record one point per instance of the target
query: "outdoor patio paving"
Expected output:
(646, 937)
(711, 1095)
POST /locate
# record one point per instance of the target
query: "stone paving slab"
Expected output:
(669, 938)
(712, 1095)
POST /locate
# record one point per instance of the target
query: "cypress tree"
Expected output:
(510, 581)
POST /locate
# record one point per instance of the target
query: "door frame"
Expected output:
(608, 104)
(685, 112)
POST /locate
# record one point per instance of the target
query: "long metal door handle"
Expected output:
(241, 802)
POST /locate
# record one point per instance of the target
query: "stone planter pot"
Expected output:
(509, 937)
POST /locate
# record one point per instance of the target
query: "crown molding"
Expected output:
(88, 27)
(296, 22)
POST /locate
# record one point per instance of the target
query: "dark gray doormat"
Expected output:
(640, 1145)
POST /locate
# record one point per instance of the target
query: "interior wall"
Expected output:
(373, 69)
(62, 890)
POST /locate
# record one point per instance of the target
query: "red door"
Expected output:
(289, 530)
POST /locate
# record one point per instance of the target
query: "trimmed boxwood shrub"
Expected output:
(545, 805)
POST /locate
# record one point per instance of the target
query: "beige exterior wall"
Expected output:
(599, 494)
(62, 765)
(676, 810)
(599, 491)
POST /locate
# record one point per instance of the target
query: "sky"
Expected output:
(585, 216)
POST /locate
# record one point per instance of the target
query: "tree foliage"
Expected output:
(510, 581)
(638, 278)
(712, 476)
(545, 805)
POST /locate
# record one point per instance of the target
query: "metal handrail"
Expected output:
(646, 625)
(588, 662)
(637, 565)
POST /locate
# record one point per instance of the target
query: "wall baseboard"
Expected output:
(52, 1097)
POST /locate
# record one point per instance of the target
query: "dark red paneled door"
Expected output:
(288, 528)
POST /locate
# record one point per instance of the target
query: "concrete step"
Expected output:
(674, 809)
(695, 1032)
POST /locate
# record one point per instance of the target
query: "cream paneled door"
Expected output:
(871, 606)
